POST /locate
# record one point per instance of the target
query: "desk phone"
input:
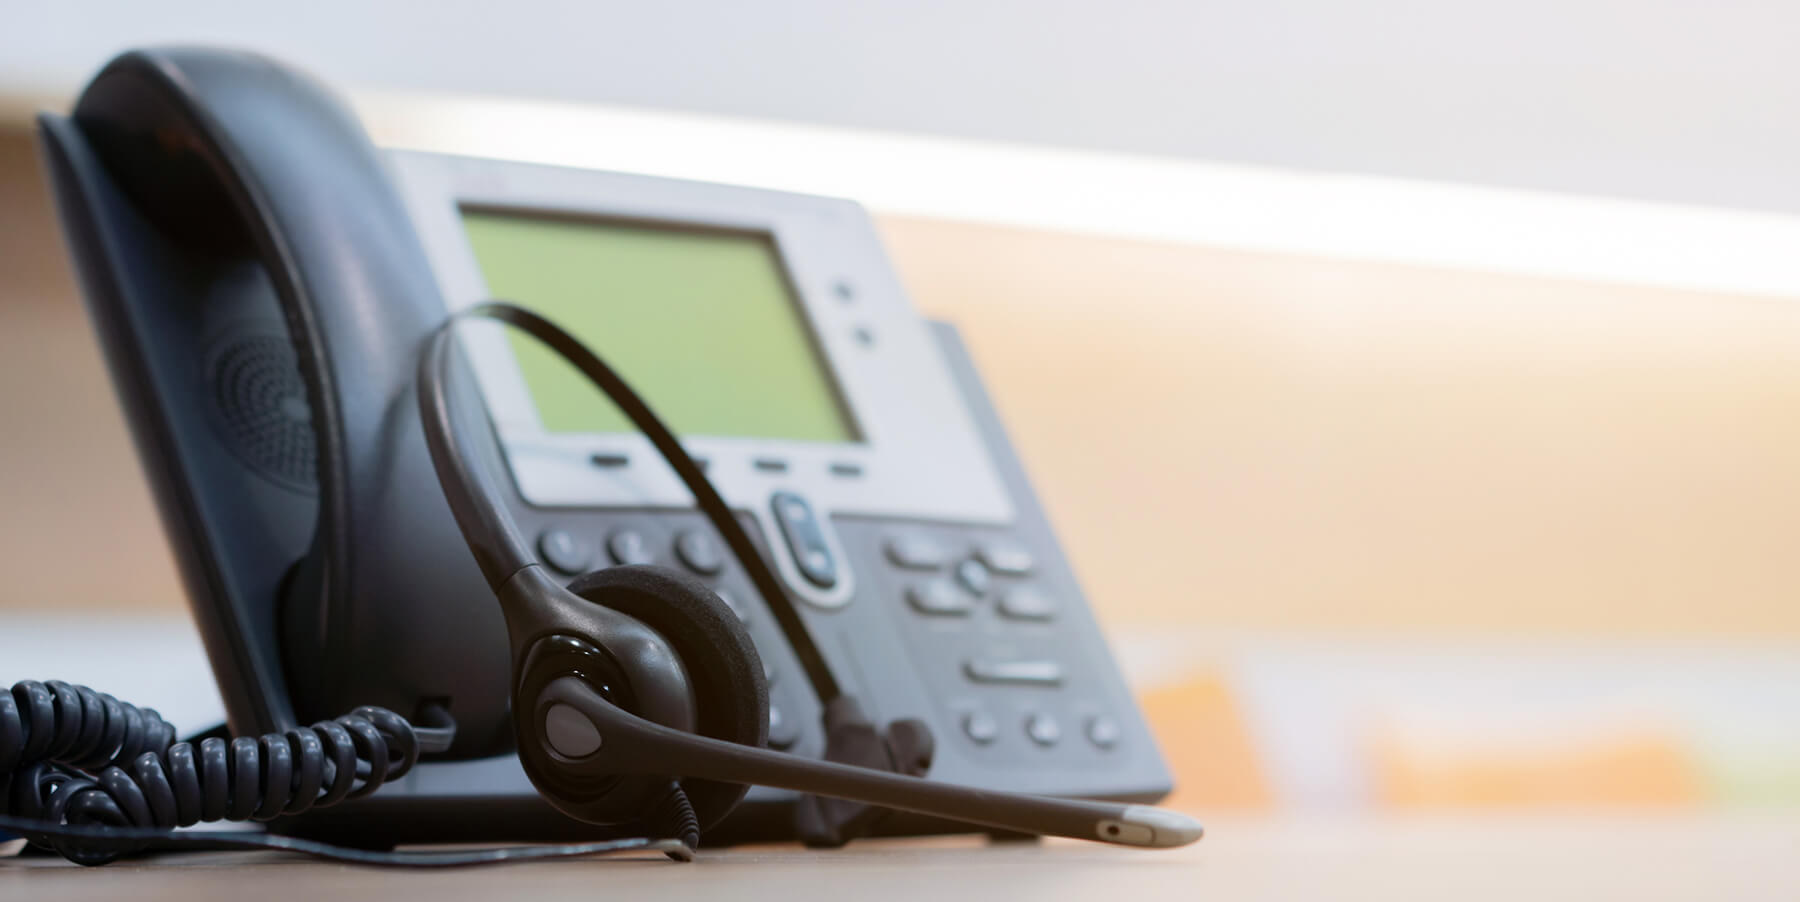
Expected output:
(257, 272)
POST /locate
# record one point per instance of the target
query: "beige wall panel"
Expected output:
(1224, 438)
(1263, 441)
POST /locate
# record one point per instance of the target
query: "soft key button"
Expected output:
(565, 550)
(699, 552)
(915, 551)
(627, 546)
(805, 539)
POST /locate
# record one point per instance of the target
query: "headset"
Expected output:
(638, 700)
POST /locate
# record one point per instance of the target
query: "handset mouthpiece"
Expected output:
(1151, 828)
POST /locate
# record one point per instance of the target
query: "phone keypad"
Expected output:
(984, 623)
(970, 616)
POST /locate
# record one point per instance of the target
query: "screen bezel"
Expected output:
(921, 456)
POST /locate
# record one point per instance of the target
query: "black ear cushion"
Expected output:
(731, 693)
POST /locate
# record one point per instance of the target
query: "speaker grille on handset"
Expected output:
(262, 410)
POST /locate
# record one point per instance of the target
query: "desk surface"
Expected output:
(1511, 858)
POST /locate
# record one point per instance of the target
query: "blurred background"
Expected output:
(1452, 352)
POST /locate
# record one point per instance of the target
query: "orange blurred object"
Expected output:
(1645, 768)
(1203, 736)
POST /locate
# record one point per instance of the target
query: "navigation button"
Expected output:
(1006, 557)
(1019, 673)
(805, 539)
(565, 550)
(1026, 603)
(627, 546)
(938, 598)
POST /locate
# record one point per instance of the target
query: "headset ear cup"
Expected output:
(731, 693)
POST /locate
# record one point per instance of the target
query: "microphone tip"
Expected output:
(1156, 828)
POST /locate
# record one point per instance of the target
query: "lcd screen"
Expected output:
(703, 323)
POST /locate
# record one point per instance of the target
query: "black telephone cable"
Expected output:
(94, 778)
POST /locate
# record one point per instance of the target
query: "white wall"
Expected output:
(1659, 99)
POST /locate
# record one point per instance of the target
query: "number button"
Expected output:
(1103, 731)
(980, 727)
(1043, 730)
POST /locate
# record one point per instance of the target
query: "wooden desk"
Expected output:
(1511, 858)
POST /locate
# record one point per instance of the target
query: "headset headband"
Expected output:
(489, 527)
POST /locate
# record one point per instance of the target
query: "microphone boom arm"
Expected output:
(622, 743)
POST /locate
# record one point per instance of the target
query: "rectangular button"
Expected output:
(1020, 673)
(1026, 603)
(1006, 557)
(938, 597)
(913, 551)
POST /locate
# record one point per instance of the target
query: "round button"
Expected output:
(699, 552)
(974, 576)
(782, 731)
(627, 546)
(1103, 731)
(565, 550)
(1043, 729)
(743, 615)
(980, 727)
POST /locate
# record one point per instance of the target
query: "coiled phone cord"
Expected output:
(71, 755)
(94, 778)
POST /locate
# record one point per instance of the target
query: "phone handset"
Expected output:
(233, 164)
